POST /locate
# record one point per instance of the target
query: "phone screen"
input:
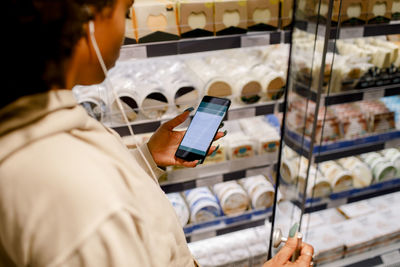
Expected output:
(203, 128)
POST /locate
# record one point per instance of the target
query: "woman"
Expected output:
(71, 194)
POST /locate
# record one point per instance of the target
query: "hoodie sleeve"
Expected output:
(116, 242)
(147, 156)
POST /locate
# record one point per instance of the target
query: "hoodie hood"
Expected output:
(34, 117)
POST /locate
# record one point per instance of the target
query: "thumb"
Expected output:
(171, 124)
(287, 251)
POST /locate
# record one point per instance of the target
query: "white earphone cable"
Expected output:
(115, 95)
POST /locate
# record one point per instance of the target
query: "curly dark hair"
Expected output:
(39, 36)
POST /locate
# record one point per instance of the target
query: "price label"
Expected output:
(256, 40)
(202, 236)
(241, 113)
(311, 27)
(257, 171)
(351, 32)
(209, 181)
(373, 95)
(132, 52)
(321, 30)
(391, 258)
(392, 143)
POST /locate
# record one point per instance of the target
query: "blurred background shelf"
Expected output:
(349, 96)
(347, 32)
(340, 198)
(388, 256)
(202, 44)
(211, 174)
(342, 148)
(226, 224)
(238, 112)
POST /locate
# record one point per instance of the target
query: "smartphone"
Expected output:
(203, 128)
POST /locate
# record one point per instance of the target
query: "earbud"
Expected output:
(91, 27)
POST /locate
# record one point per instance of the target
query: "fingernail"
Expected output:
(215, 152)
(221, 125)
(225, 132)
(198, 163)
(293, 230)
(189, 109)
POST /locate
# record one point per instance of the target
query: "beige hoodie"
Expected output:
(71, 194)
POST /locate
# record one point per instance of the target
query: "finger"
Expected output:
(306, 255)
(184, 163)
(212, 150)
(287, 251)
(220, 135)
(171, 124)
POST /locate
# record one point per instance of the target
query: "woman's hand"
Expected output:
(165, 141)
(282, 258)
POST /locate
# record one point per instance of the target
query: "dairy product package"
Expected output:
(286, 13)
(339, 178)
(393, 155)
(90, 98)
(379, 11)
(181, 209)
(356, 209)
(215, 83)
(232, 197)
(260, 190)
(262, 15)
(352, 121)
(203, 204)
(155, 20)
(328, 246)
(382, 168)
(219, 156)
(238, 145)
(230, 17)
(264, 135)
(196, 18)
(362, 174)
(318, 185)
(272, 81)
(358, 239)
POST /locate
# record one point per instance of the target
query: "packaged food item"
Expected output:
(273, 82)
(196, 18)
(393, 155)
(264, 135)
(339, 178)
(352, 121)
(382, 168)
(362, 174)
(357, 238)
(395, 10)
(238, 145)
(215, 83)
(262, 15)
(356, 209)
(318, 185)
(379, 11)
(328, 246)
(203, 204)
(286, 13)
(155, 20)
(219, 156)
(232, 197)
(181, 209)
(260, 190)
(230, 17)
